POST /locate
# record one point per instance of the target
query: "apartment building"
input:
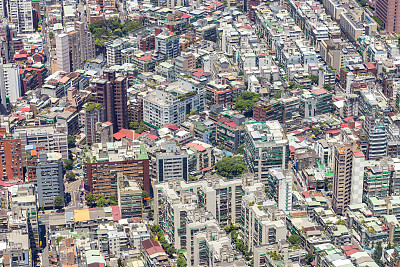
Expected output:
(185, 62)
(74, 47)
(172, 164)
(377, 179)
(167, 44)
(222, 199)
(20, 13)
(348, 173)
(11, 159)
(386, 11)
(111, 93)
(46, 137)
(129, 197)
(172, 104)
(257, 226)
(102, 176)
(279, 187)
(201, 156)
(266, 146)
(49, 175)
(92, 117)
(10, 85)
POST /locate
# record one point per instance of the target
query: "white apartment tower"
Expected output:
(10, 84)
(62, 51)
(74, 47)
(20, 13)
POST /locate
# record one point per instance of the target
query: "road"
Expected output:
(45, 255)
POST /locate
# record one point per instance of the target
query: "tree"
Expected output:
(101, 201)
(246, 101)
(58, 202)
(231, 167)
(294, 239)
(70, 176)
(68, 164)
(314, 79)
(377, 255)
(277, 95)
(133, 125)
(144, 194)
(240, 149)
(181, 262)
(170, 250)
(326, 183)
(112, 201)
(71, 141)
(327, 87)
(193, 112)
(51, 35)
(120, 263)
(309, 258)
(90, 200)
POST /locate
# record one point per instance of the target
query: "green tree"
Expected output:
(327, 87)
(112, 201)
(314, 79)
(377, 255)
(193, 112)
(246, 101)
(68, 164)
(101, 201)
(231, 167)
(181, 262)
(58, 202)
(70, 176)
(71, 141)
(326, 183)
(277, 95)
(90, 200)
(240, 149)
(133, 125)
(144, 194)
(117, 32)
(294, 239)
(51, 35)
(120, 263)
(309, 258)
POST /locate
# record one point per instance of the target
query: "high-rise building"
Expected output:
(172, 104)
(279, 187)
(49, 173)
(10, 85)
(74, 47)
(46, 137)
(258, 225)
(167, 44)
(266, 146)
(20, 13)
(62, 51)
(24, 205)
(172, 164)
(129, 197)
(102, 175)
(386, 11)
(348, 173)
(11, 159)
(92, 117)
(111, 93)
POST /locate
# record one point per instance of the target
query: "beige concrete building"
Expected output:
(342, 173)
